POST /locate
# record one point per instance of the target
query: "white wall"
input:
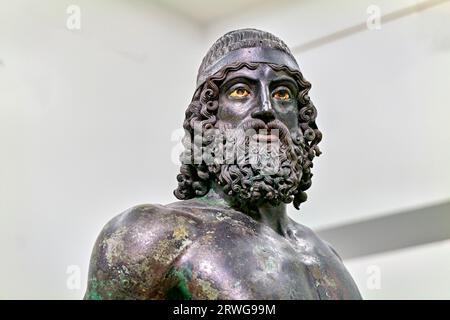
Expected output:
(86, 119)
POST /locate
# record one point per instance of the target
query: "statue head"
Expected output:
(250, 127)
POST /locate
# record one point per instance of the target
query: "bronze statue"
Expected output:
(250, 140)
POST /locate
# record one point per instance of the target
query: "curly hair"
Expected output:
(194, 179)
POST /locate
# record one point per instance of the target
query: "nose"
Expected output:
(265, 111)
(264, 115)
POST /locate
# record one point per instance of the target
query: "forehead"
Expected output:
(262, 72)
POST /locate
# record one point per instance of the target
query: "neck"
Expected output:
(272, 216)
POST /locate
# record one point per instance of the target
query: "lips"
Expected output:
(265, 138)
(267, 135)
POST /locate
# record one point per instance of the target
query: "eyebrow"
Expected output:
(285, 79)
(236, 79)
(241, 77)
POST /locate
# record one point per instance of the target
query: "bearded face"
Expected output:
(253, 156)
(250, 130)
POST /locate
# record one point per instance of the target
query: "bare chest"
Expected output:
(251, 267)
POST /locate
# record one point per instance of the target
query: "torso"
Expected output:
(235, 257)
(204, 251)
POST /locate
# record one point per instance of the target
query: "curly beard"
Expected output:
(256, 162)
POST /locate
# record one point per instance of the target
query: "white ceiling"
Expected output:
(204, 11)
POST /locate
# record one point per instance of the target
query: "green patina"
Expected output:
(180, 289)
(92, 293)
(212, 201)
(95, 286)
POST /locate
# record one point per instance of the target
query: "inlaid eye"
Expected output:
(281, 95)
(239, 93)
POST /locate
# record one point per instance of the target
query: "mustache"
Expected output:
(257, 124)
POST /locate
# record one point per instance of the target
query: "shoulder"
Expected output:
(327, 268)
(146, 219)
(136, 248)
